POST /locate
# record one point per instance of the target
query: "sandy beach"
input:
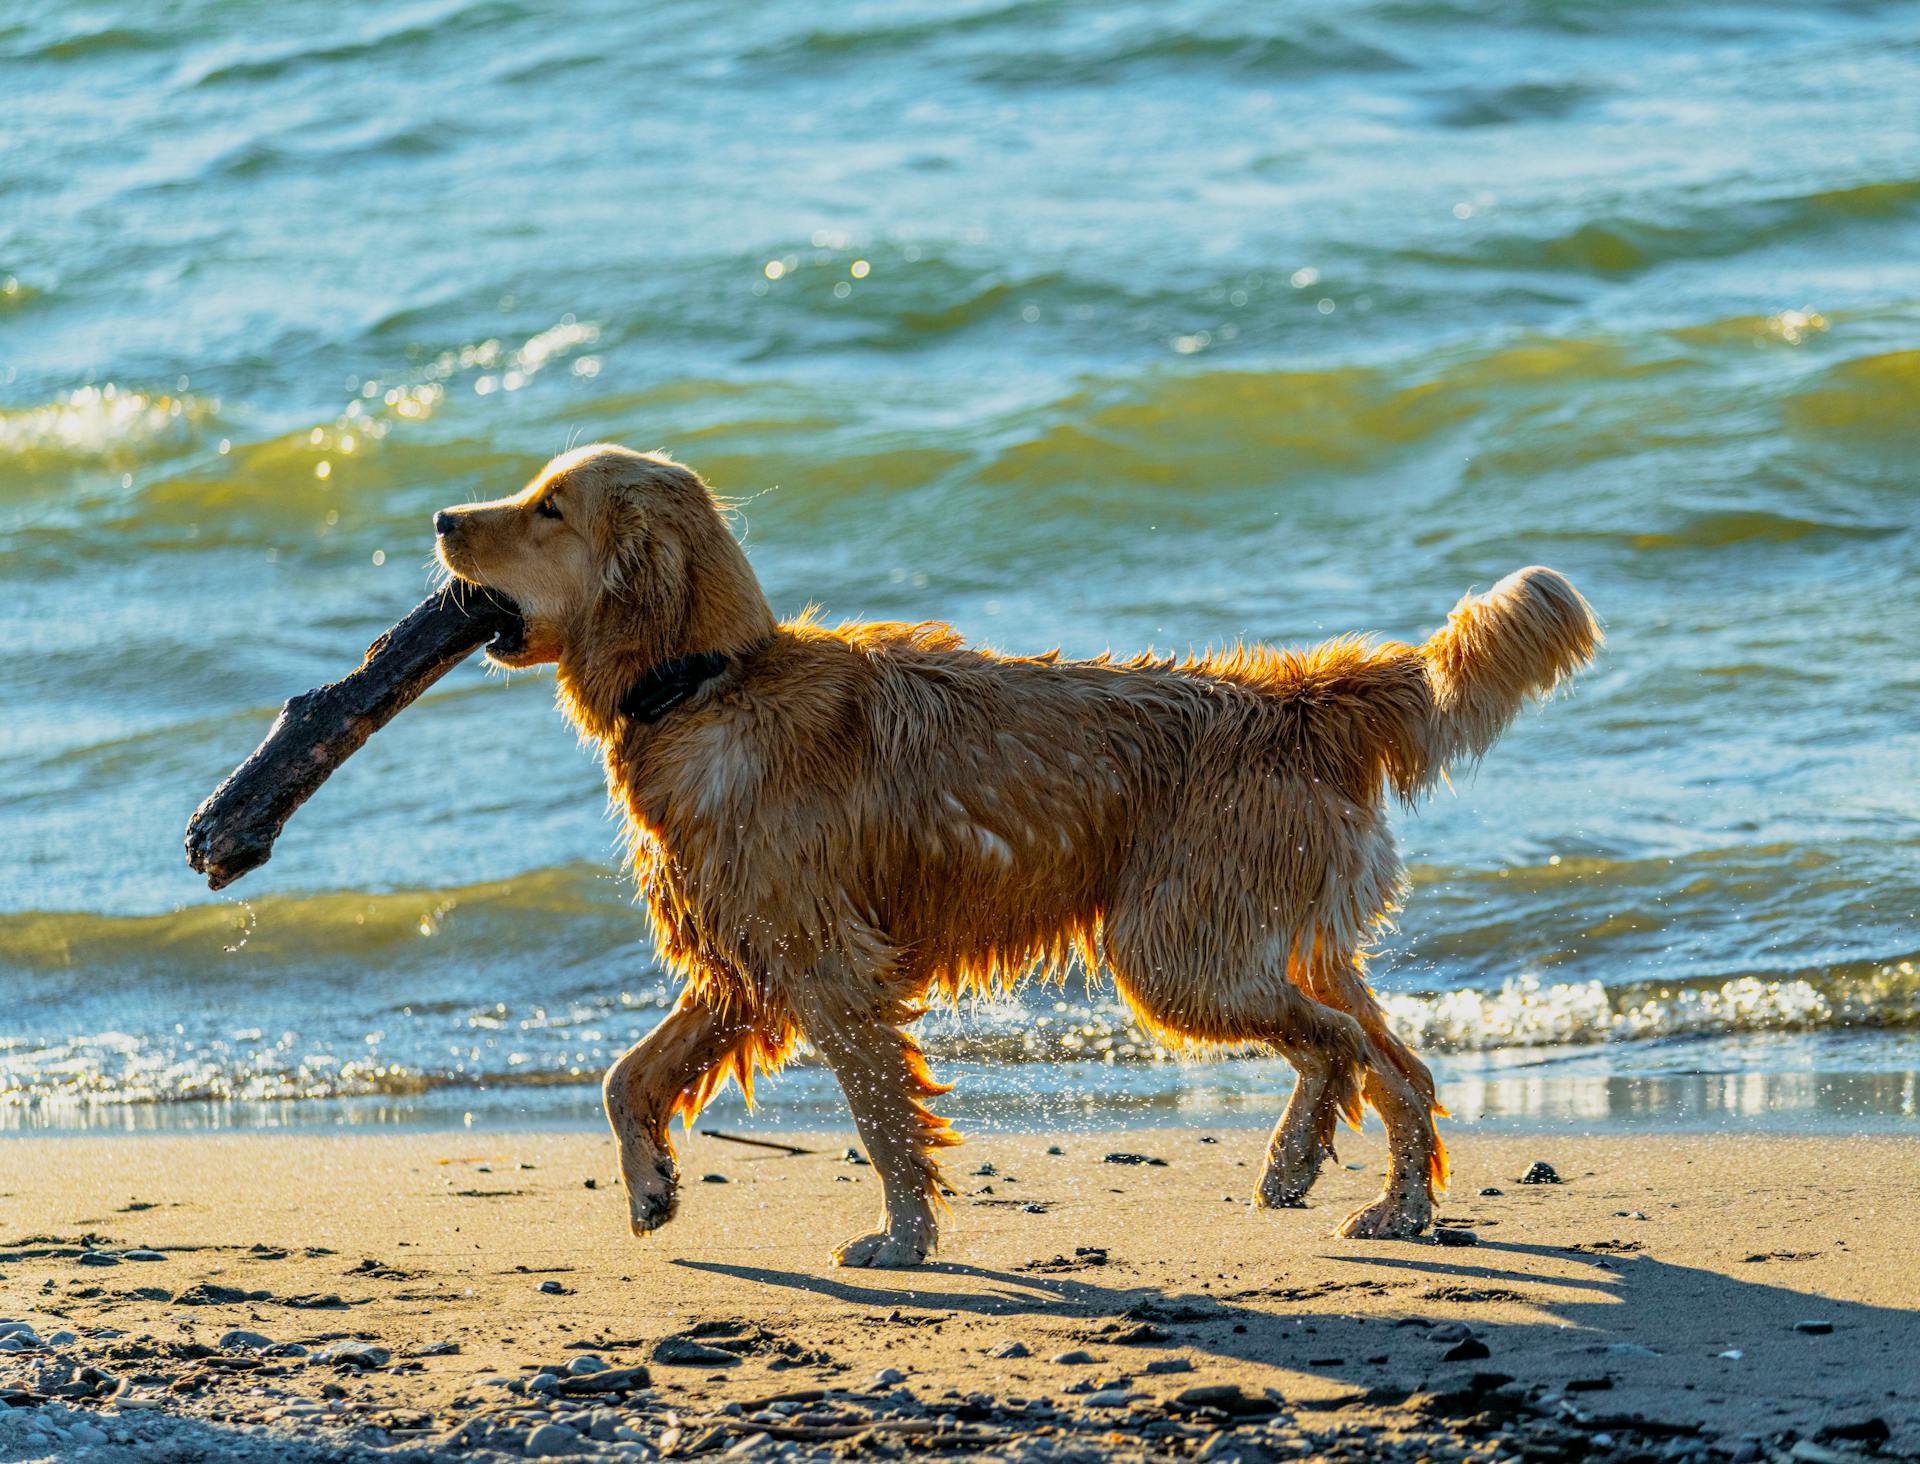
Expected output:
(437, 1296)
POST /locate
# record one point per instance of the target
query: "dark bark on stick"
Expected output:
(233, 831)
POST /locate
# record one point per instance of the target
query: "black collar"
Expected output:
(662, 688)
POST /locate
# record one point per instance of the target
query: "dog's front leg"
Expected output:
(885, 1077)
(643, 1089)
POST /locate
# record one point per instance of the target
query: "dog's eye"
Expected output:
(547, 508)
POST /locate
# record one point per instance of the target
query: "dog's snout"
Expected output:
(445, 523)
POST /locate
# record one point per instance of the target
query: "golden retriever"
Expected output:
(831, 826)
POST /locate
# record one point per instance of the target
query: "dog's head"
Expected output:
(616, 559)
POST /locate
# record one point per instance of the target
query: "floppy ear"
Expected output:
(620, 541)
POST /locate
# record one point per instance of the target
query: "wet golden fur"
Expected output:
(851, 821)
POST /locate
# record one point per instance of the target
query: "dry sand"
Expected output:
(1661, 1282)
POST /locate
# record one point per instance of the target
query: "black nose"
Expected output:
(444, 523)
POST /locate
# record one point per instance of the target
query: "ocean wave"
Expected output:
(396, 43)
(1622, 245)
(101, 424)
(1873, 396)
(543, 1050)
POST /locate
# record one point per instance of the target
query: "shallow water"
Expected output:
(1097, 326)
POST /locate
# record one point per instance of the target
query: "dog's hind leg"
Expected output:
(675, 1069)
(858, 1031)
(1399, 1087)
(1177, 990)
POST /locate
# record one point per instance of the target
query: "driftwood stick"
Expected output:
(233, 831)
(756, 1143)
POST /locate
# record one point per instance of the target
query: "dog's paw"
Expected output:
(1287, 1178)
(653, 1195)
(881, 1252)
(1387, 1218)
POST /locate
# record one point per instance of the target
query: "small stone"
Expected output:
(1444, 1235)
(554, 1288)
(1471, 1350)
(1010, 1349)
(853, 1156)
(1169, 1365)
(143, 1255)
(62, 1339)
(986, 1169)
(1629, 1349)
(592, 1184)
(586, 1362)
(1449, 1332)
(255, 1341)
(715, 1179)
(1126, 1158)
(1226, 1398)
(1492, 1190)
(685, 1352)
(99, 1258)
(551, 1439)
(614, 1380)
(887, 1377)
(1110, 1398)
(1541, 1172)
(1077, 1357)
(1814, 1329)
(543, 1382)
(1055, 1149)
(354, 1354)
(1589, 1385)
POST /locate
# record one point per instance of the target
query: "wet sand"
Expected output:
(1648, 1306)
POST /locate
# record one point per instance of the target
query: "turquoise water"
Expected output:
(1093, 326)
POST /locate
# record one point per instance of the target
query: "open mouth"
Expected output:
(488, 610)
(511, 639)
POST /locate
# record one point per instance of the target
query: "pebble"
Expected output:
(1541, 1172)
(1169, 1365)
(354, 1354)
(1813, 1329)
(715, 1179)
(1110, 1398)
(553, 1288)
(888, 1376)
(1010, 1349)
(853, 1156)
(241, 1338)
(551, 1439)
(99, 1258)
(1443, 1235)
(1125, 1158)
(144, 1255)
(1055, 1149)
(685, 1352)
(1471, 1350)
(1449, 1332)
(586, 1362)
(1076, 1357)
(1492, 1190)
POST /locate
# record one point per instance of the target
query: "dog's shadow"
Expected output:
(1667, 1338)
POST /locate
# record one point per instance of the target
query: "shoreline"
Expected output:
(1789, 1087)
(461, 1263)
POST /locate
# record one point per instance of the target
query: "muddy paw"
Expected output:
(1387, 1218)
(653, 1195)
(881, 1252)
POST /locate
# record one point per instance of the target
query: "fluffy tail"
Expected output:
(1496, 651)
